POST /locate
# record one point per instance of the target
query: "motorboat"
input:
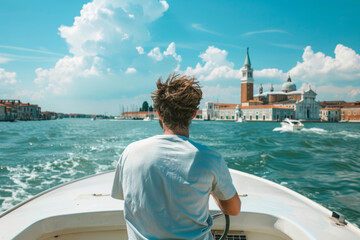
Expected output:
(93, 118)
(291, 124)
(84, 209)
(240, 119)
(147, 119)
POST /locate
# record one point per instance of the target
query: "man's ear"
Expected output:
(194, 115)
(159, 116)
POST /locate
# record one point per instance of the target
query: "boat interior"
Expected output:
(111, 225)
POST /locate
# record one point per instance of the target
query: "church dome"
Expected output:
(288, 86)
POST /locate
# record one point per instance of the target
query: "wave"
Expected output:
(314, 130)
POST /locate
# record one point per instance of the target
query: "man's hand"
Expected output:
(231, 206)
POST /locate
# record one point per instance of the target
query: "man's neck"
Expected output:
(178, 131)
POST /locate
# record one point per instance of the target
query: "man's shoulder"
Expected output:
(142, 142)
(205, 149)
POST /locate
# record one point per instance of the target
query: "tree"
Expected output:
(145, 106)
(151, 109)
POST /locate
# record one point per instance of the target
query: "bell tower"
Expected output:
(247, 80)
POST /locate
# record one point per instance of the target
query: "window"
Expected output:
(349, 112)
(354, 112)
(244, 74)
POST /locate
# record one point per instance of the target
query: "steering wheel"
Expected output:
(227, 224)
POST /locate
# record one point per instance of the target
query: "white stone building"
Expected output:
(330, 114)
(303, 102)
(266, 113)
(220, 111)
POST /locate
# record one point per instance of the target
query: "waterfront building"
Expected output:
(289, 102)
(198, 115)
(265, 106)
(266, 112)
(351, 112)
(139, 115)
(330, 114)
(48, 115)
(220, 111)
(247, 80)
(12, 108)
(29, 112)
(2, 112)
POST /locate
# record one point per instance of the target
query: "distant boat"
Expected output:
(93, 118)
(291, 124)
(147, 119)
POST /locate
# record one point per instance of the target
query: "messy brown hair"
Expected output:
(177, 99)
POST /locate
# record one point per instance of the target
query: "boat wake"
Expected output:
(307, 130)
(315, 130)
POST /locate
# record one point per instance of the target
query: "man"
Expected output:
(165, 180)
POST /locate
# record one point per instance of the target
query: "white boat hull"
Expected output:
(83, 209)
(291, 127)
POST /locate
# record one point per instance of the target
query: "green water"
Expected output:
(321, 162)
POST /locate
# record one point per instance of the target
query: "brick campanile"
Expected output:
(247, 80)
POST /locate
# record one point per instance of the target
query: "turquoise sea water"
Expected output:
(321, 162)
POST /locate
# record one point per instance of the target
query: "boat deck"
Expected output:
(86, 204)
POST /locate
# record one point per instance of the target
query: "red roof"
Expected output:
(265, 106)
(128, 113)
(226, 105)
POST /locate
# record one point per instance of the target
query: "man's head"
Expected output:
(177, 100)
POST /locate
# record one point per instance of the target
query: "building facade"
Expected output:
(351, 112)
(29, 112)
(302, 101)
(220, 111)
(247, 80)
(266, 113)
(2, 112)
(330, 114)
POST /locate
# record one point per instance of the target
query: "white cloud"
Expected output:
(331, 92)
(66, 69)
(215, 66)
(320, 68)
(140, 50)
(269, 73)
(156, 54)
(30, 50)
(7, 78)
(130, 71)
(105, 32)
(225, 95)
(108, 26)
(29, 94)
(202, 29)
(171, 51)
(165, 5)
(264, 31)
(4, 60)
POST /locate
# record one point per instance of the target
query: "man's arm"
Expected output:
(231, 206)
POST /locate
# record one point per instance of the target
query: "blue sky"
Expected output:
(96, 56)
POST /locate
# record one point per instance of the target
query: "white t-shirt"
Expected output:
(165, 182)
